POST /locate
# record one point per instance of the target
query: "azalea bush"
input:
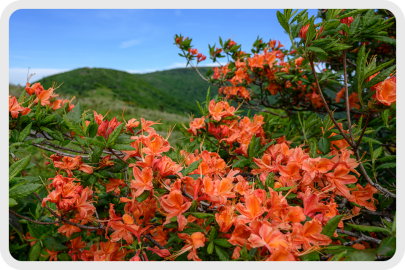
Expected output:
(293, 159)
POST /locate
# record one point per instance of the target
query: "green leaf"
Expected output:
(53, 244)
(313, 256)
(354, 25)
(12, 202)
(25, 132)
(201, 215)
(331, 226)
(48, 119)
(241, 163)
(339, 255)
(223, 243)
(377, 153)
(73, 126)
(23, 191)
(265, 147)
(361, 255)
(143, 196)
(324, 145)
(381, 76)
(252, 253)
(316, 49)
(193, 166)
(210, 248)
(283, 21)
(313, 147)
(370, 140)
(352, 13)
(387, 247)
(38, 112)
(283, 188)
(57, 135)
(64, 257)
(385, 116)
(386, 39)
(92, 129)
(114, 135)
(222, 254)
(34, 251)
(18, 166)
(77, 112)
(122, 147)
(213, 234)
(364, 228)
(357, 82)
(95, 156)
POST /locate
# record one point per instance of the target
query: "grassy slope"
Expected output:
(168, 95)
(181, 82)
(173, 91)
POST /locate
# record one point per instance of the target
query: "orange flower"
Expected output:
(268, 237)
(68, 229)
(240, 236)
(160, 236)
(132, 123)
(340, 95)
(387, 92)
(361, 197)
(45, 97)
(173, 203)
(34, 88)
(124, 230)
(353, 101)
(70, 164)
(143, 180)
(197, 123)
(52, 255)
(308, 234)
(15, 108)
(82, 205)
(225, 219)
(303, 31)
(282, 254)
(195, 241)
(340, 178)
(251, 210)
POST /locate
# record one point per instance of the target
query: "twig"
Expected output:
(363, 171)
(154, 241)
(349, 121)
(31, 220)
(60, 153)
(363, 238)
(362, 133)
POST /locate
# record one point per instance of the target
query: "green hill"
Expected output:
(172, 91)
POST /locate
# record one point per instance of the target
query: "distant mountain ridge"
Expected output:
(174, 91)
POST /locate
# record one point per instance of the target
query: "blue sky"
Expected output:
(137, 41)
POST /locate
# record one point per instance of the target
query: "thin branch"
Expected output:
(363, 171)
(154, 241)
(363, 237)
(362, 133)
(60, 153)
(349, 121)
(31, 220)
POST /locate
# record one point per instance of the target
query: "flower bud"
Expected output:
(303, 31)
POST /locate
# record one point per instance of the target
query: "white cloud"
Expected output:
(130, 43)
(19, 75)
